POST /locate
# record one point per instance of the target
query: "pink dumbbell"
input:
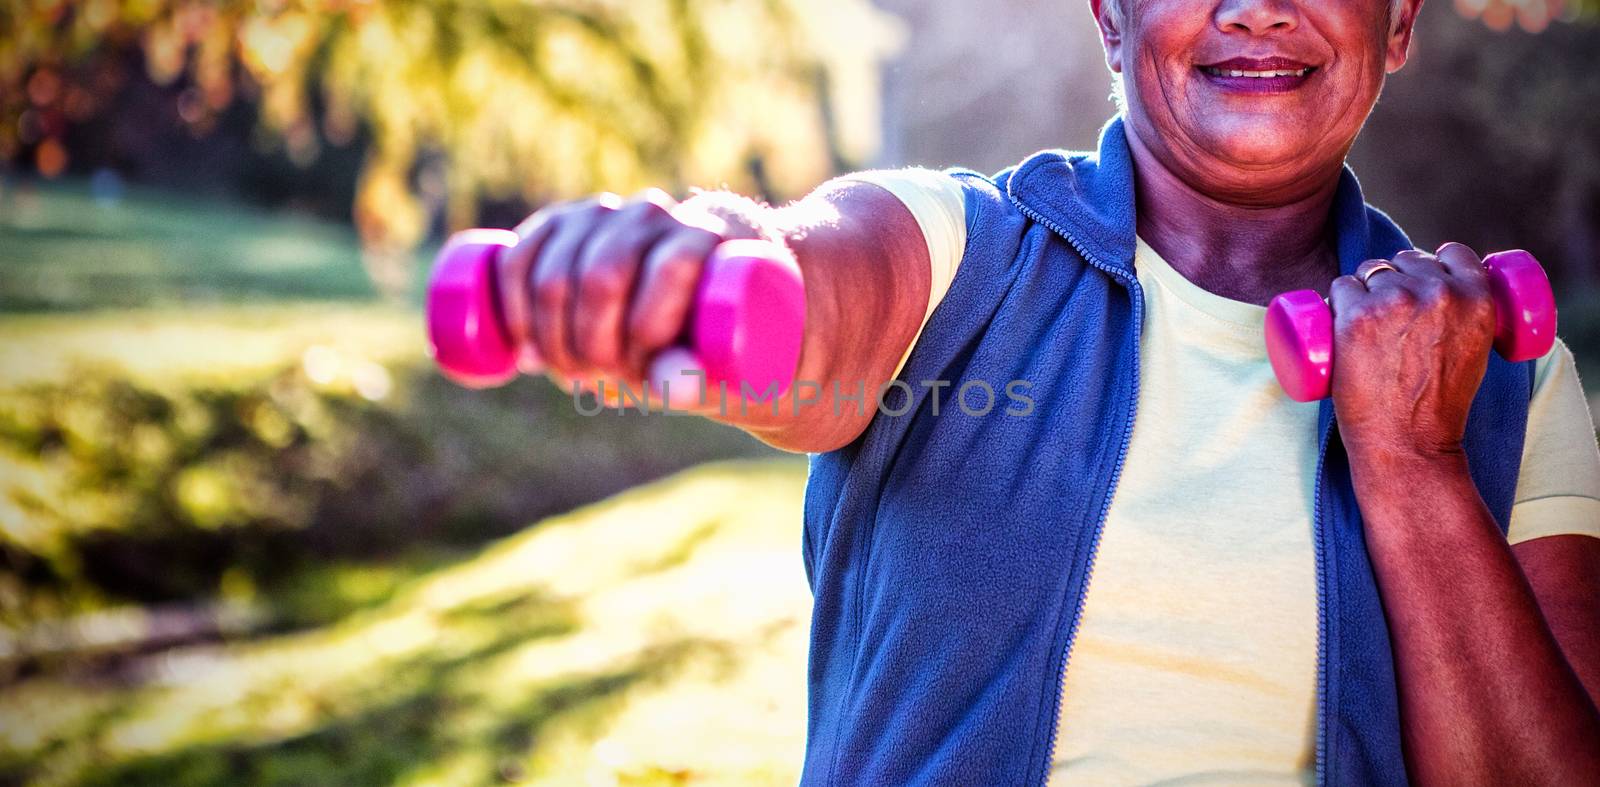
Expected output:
(745, 327)
(1300, 325)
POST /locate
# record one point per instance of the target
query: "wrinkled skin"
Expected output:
(1412, 348)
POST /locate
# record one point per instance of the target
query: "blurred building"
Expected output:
(982, 85)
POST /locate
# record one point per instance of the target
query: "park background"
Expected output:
(249, 536)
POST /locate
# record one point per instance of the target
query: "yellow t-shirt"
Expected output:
(1195, 660)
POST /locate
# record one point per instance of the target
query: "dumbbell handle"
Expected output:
(745, 327)
(1299, 327)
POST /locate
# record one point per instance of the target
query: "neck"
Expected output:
(1247, 250)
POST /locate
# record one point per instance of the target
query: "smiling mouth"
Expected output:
(1250, 74)
(1259, 76)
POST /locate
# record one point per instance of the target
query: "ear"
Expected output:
(1108, 15)
(1400, 29)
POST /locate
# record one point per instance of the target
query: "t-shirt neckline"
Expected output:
(1236, 313)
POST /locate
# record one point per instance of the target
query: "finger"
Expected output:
(666, 290)
(1419, 264)
(551, 283)
(1374, 275)
(1461, 261)
(512, 275)
(606, 274)
(1468, 279)
(1426, 279)
(1344, 293)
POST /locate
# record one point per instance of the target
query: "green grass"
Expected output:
(657, 637)
(654, 638)
(61, 249)
(205, 342)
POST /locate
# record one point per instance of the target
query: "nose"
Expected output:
(1257, 17)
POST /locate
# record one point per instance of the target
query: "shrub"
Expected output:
(117, 489)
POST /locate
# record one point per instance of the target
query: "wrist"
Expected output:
(732, 216)
(1409, 485)
(1406, 473)
(1404, 459)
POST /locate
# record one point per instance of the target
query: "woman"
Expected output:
(1410, 589)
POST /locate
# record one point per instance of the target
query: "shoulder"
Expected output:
(948, 192)
(936, 198)
(1558, 490)
(957, 209)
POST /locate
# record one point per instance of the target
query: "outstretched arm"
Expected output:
(599, 287)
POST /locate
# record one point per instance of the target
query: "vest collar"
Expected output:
(1088, 198)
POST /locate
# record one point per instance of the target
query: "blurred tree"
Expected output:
(1493, 139)
(466, 100)
(1531, 15)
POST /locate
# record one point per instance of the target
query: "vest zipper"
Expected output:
(1082, 591)
(1318, 533)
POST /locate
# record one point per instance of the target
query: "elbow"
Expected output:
(812, 437)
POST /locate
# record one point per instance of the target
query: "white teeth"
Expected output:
(1257, 74)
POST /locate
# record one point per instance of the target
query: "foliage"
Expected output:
(241, 542)
(122, 490)
(1531, 15)
(657, 638)
(178, 455)
(487, 98)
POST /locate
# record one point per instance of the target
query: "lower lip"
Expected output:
(1257, 84)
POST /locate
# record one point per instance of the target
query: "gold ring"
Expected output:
(1372, 268)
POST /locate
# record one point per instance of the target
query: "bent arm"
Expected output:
(1486, 693)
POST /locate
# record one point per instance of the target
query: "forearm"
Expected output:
(866, 275)
(1485, 692)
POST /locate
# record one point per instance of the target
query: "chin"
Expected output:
(1256, 142)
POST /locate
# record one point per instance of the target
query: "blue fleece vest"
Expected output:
(949, 554)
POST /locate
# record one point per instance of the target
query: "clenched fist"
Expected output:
(594, 289)
(1411, 345)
